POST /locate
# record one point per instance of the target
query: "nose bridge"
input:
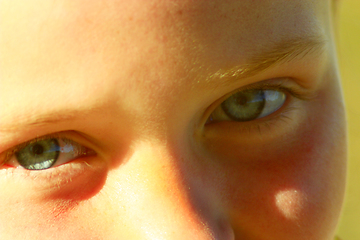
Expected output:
(164, 200)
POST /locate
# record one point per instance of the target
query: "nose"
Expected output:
(158, 194)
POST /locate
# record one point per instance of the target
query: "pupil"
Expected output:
(244, 106)
(37, 149)
(242, 100)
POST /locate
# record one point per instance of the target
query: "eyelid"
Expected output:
(75, 173)
(287, 85)
(283, 86)
(7, 155)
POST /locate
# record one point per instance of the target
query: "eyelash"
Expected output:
(65, 170)
(280, 115)
(292, 91)
(10, 153)
(278, 87)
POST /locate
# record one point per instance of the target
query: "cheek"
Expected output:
(48, 211)
(293, 184)
(40, 224)
(289, 203)
(53, 219)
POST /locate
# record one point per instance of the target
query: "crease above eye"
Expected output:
(45, 153)
(248, 105)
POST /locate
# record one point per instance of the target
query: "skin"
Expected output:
(135, 82)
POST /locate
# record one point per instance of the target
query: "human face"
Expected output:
(136, 87)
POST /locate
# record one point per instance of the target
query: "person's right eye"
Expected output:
(47, 152)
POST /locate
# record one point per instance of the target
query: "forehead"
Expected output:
(89, 53)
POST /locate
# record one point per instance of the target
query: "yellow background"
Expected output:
(349, 58)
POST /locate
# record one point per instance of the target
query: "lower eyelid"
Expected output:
(52, 177)
(233, 133)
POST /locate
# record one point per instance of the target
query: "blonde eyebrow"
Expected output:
(37, 121)
(281, 52)
(43, 119)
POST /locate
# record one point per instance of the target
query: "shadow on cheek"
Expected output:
(82, 188)
(45, 212)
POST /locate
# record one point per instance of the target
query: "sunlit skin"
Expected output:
(137, 82)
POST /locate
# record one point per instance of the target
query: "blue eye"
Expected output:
(45, 153)
(248, 105)
(39, 155)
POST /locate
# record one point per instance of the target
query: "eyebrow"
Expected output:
(45, 119)
(283, 51)
(277, 53)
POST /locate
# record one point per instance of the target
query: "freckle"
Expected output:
(180, 12)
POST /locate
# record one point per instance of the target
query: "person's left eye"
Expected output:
(40, 154)
(248, 105)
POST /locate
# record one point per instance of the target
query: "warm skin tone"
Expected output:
(136, 82)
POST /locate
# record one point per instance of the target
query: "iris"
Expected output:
(39, 155)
